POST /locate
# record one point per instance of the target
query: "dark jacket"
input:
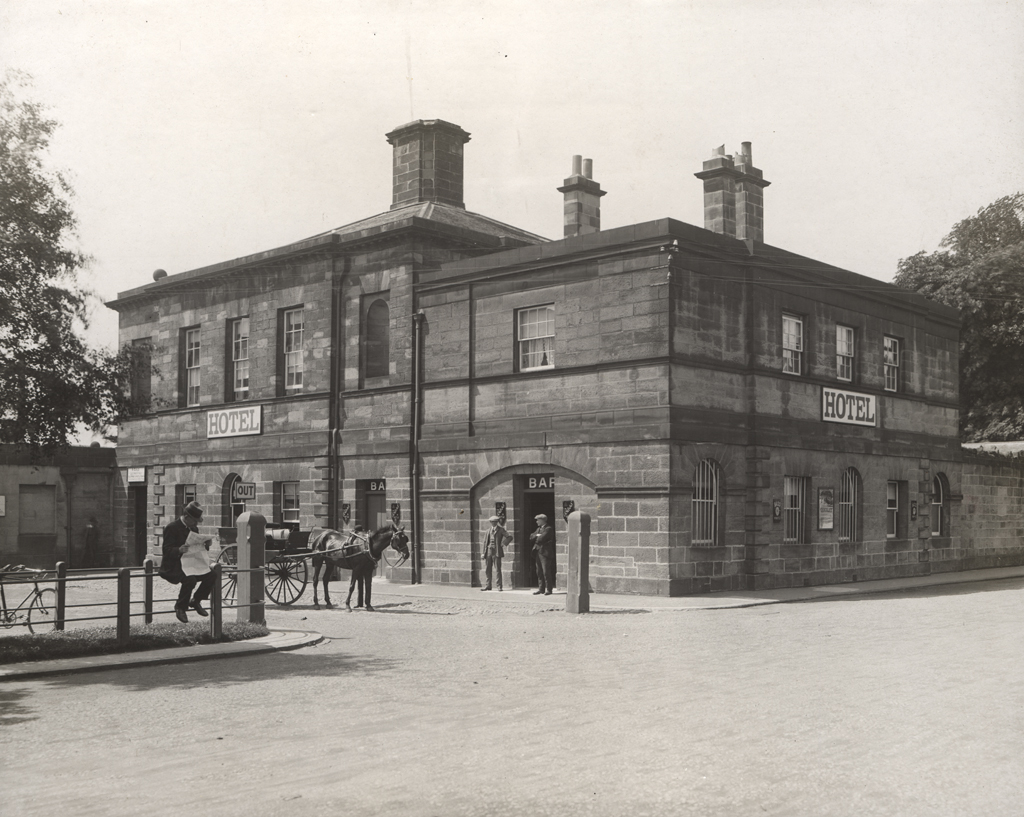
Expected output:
(175, 535)
(544, 540)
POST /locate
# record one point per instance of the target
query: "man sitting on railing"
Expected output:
(175, 536)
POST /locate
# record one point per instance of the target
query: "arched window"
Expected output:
(705, 505)
(940, 506)
(378, 340)
(848, 506)
(231, 508)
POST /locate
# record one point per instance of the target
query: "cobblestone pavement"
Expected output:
(900, 704)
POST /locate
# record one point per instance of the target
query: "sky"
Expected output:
(197, 132)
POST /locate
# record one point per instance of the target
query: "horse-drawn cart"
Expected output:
(287, 572)
(288, 553)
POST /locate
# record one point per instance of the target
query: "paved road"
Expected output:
(902, 704)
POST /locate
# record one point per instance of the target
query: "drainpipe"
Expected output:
(337, 336)
(414, 443)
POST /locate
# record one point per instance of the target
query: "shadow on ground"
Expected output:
(12, 710)
(241, 669)
(933, 591)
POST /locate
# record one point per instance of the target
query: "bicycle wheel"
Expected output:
(42, 614)
(286, 579)
(228, 575)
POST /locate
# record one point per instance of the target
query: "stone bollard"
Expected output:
(577, 596)
(252, 544)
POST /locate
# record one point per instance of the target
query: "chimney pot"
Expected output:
(734, 194)
(582, 199)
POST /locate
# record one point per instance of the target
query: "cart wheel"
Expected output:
(42, 614)
(228, 575)
(286, 579)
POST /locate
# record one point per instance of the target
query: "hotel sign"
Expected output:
(848, 407)
(236, 422)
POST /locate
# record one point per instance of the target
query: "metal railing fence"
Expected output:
(126, 608)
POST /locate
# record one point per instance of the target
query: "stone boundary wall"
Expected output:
(991, 513)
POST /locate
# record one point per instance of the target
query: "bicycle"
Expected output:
(38, 610)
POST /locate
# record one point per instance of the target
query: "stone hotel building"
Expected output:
(731, 415)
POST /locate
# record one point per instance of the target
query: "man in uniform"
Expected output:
(544, 553)
(494, 549)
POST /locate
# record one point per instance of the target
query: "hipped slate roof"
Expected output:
(441, 219)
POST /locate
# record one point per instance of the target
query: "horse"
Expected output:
(360, 557)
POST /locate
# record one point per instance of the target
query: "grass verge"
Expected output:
(84, 641)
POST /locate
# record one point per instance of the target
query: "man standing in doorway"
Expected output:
(544, 553)
(494, 549)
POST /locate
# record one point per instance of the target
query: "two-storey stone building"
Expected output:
(731, 415)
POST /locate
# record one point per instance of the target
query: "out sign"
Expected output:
(541, 482)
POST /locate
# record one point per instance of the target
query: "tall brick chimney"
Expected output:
(582, 199)
(733, 194)
(428, 163)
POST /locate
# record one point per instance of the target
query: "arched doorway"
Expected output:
(231, 507)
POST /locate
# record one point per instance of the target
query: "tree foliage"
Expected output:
(979, 269)
(50, 380)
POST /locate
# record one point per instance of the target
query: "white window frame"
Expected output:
(535, 338)
(704, 528)
(848, 505)
(795, 510)
(892, 509)
(792, 344)
(891, 362)
(938, 506)
(187, 492)
(290, 509)
(193, 362)
(240, 358)
(845, 352)
(293, 352)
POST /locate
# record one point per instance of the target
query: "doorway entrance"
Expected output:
(535, 494)
(373, 511)
(137, 508)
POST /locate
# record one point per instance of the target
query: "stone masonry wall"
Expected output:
(991, 511)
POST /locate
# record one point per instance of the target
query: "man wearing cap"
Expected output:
(175, 535)
(544, 554)
(494, 548)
